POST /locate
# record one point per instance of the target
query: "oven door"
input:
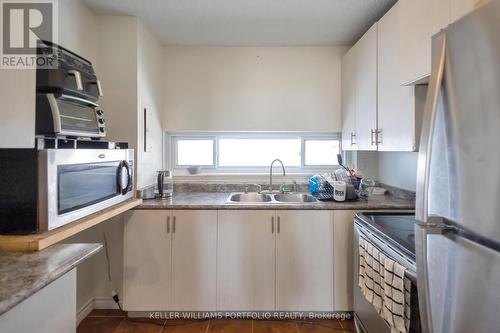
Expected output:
(81, 182)
(367, 320)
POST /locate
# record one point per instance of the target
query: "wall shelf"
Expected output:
(37, 242)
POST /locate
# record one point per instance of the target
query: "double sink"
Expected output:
(250, 198)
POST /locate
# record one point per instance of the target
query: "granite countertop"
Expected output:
(215, 200)
(24, 273)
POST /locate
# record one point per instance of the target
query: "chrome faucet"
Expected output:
(271, 173)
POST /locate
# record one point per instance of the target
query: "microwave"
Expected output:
(46, 189)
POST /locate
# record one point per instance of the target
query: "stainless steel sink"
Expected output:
(255, 198)
(298, 198)
(249, 198)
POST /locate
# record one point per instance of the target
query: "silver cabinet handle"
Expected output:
(373, 137)
(272, 225)
(279, 224)
(353, 135)
(168, 224)
(174, 225)
(78, 79)
(429, 118)
(378, 135)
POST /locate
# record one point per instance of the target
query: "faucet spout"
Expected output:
(271, 172)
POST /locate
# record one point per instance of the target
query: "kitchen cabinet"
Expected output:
(398, 110)
(418, 22)
(304, 261)
(170, 260)
(349, 100)
(194, 248)
(147, 271)
(366, 90)
(246, 260)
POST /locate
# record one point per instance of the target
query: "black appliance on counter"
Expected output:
(67, 96)
(394, 235)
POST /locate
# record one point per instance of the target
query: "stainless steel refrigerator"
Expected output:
(458, 186)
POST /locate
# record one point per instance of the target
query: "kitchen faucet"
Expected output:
(271, 173)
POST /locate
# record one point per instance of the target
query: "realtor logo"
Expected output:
(25, 24)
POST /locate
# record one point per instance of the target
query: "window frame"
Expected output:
(171, 138)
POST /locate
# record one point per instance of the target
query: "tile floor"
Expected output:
(114, 321)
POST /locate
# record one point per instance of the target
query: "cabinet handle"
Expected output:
(168, 224)
(353, 135)
(173, 225)
(373, 137)
(279, 224)
(378, 135)
(272, 224)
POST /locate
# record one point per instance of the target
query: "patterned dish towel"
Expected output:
(384, 285)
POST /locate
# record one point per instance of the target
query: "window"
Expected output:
(251, 151)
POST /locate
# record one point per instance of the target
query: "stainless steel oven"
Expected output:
(393, 234)
(46, 189)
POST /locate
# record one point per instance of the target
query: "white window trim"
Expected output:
(170, 160)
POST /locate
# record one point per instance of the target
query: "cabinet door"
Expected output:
(349, 100)
(418, 22)
(396, 111)
(194, 248)
(147, 261)
(246, 260)
(366, 90)
(304, 261)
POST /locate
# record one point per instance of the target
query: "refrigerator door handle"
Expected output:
(428, 122)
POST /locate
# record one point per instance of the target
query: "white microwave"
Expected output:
(49, 188)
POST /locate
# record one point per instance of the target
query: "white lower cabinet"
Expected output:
(304, 261)
(195, 260)
(194, 249)
(170, 260)
(246, 260)
(147, 271)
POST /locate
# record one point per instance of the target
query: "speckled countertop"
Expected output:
(214, 200)
(24, 273)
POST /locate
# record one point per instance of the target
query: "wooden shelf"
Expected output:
(37, 242)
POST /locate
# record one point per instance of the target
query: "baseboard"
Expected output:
(84, 311)
(96, 303)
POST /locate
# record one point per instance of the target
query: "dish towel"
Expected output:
(383, 283)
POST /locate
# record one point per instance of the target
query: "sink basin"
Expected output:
(294, 198)
(250, 197)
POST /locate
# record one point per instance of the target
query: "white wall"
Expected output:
(149, 76)
(252, 88)
(397, 169)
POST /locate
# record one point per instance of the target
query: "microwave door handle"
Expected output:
(428, 124)
(78, 79)
(123, 189)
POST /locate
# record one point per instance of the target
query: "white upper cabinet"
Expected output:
(396, 107)
(366, 90)
(349, 100)
(418, 22)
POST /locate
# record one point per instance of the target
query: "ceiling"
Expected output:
(250, 22)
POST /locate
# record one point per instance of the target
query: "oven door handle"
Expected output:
(123, 189)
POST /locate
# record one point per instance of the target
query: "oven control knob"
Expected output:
(101, 120)
(99, 113)
(101, 129)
